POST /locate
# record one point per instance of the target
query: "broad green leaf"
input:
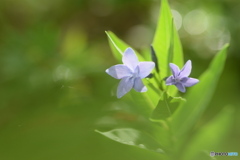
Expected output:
(161, 42)
(135, 138)
(198, 96)
(166, 43)
(177, 49)
(210, 136)
(166, 107)
(118, 46)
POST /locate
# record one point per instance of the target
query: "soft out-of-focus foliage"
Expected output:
(180, 118)
(53, 89)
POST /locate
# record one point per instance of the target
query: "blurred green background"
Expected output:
(54, 91)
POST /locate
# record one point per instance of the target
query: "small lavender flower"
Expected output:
(180, 77)
(130, 72)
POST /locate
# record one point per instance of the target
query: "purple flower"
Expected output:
(180, 77)
(130, 72)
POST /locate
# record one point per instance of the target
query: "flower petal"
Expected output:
(180, 87)
(139, 86)
(119, 71)
(124, 86)
(175, 70)
(170, 81)
(186, 70)
(130, 58)
(145, 68)
(190, 82)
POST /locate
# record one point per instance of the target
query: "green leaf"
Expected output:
(210, 136)
(166, 43)
(198, 96)
(118, 46)
(133, 137)
(166, 107)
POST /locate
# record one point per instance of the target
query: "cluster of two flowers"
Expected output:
(131, 73)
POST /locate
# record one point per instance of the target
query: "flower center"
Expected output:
(177, 80)
(136, 72)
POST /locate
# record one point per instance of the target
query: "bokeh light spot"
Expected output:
(196, 22)
(177, 19)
